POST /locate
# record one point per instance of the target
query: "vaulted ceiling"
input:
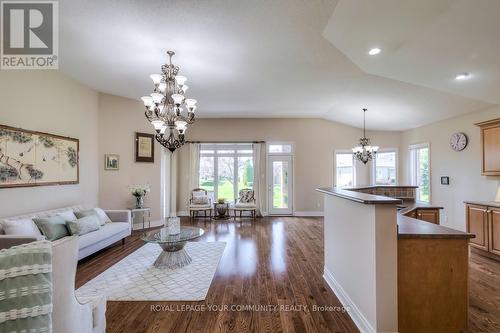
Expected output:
(294, 58)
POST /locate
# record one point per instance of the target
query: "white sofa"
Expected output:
(110, 233)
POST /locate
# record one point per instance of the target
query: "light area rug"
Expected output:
(135, 279)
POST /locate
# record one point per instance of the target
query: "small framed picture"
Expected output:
(445, 180)
(111, 162)
(144, 147)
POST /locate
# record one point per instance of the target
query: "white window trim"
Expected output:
(270, 143)
(235, 155)
(268, 169)
(374, 164)
(411, 172)
(354, 173)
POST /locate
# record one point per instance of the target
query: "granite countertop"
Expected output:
(364, 187)
(408, 206)
(364, 198)
(408, 227)
(484, 203)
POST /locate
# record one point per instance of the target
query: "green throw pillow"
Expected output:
(83, 225)
(53, 227)
(84, 213)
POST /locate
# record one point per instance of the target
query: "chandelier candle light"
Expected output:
(364, 152)
(164, 106)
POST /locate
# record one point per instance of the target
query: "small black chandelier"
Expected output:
(364, 152)
(164, 106)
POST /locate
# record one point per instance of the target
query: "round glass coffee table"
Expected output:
(173, 255)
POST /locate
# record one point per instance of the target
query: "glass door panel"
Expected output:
(225, 186)
(280, 185)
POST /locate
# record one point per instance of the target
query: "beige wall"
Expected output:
(119, 119)
(48, 101)
(315, 142)
(463, 168)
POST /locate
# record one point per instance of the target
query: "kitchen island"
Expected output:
(395, 272)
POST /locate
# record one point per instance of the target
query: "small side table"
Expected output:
(143, 212)
(221, 211)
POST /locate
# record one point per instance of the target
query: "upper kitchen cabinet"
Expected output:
(490, 147)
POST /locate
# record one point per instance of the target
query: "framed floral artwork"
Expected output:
(30, 158)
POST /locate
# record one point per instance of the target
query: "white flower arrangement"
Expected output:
(139, 190)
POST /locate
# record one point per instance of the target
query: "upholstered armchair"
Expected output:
(85, 314)
(245, 203)
(199, 202)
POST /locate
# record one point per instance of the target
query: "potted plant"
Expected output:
(139, 192)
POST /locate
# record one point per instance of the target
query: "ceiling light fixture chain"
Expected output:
(164, 106)
(364, 152)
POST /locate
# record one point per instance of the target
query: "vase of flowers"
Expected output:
(139, 192)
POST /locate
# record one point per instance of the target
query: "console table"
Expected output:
(145, 211)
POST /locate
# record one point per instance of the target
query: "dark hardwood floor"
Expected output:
(277, 261)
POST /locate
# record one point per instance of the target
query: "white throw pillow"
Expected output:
(24, 226)
(103, 217)
(67, 215)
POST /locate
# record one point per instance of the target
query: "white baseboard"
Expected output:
(354, 312)
(308, 213)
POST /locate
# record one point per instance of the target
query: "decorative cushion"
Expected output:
(202, 200)
(197, 194)
(246, 196)
(53, 227)
(67, 215)
(84, 225)
(103, 217)
(23, 226)
(26, 285)
(83, 213)
(244, 205)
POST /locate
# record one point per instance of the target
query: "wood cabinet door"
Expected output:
(494, 225)
(428, 215)
(412, 214)
(477, 224)
(490, 140)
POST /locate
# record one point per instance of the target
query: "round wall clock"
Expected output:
(458, 141)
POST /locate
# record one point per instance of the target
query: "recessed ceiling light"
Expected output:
(374, 51)
(462, 76)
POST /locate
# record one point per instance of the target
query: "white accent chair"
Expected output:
(83, 315)
(245, 203)
(199, 202)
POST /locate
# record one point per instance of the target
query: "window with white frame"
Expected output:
(345, 170)
(385, 167)
(420, 170)
(279, 148)
(225, 169)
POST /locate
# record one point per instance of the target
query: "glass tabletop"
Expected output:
(163, 236)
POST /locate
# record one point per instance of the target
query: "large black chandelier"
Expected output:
(164, 106)
(364, 152)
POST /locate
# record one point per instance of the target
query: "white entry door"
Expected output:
(280, 194)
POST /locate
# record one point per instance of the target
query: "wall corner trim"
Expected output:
(354, 312)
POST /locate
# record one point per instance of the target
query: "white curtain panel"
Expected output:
(194, 167)
(258, 176)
